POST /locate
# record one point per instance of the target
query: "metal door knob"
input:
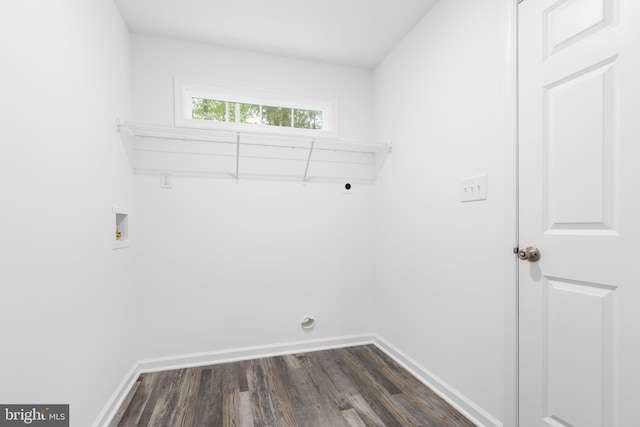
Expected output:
(531, 254)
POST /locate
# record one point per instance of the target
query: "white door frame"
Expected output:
(511, 216)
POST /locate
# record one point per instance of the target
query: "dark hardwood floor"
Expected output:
(356, 386)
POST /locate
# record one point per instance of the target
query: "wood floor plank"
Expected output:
(365, 389)
(166, 404)
(280, 396)
(231, 408)
(125, 403)
(400, 415)
(289, 369)
(352, 418)
(327, 409)
(361, 353)
(230, 394)
(326, 398)
(138, 403)
(349, 387)
(157, 391)
(424, 399)
(327, 387)
(246, 416)
(187, 401)
(209, 404)
(263, 410)
(292, 361)
(365, 412)
(351, 392)
(242, 377)
(408, 384)
(421, 417)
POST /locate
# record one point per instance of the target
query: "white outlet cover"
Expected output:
(473, 189)
(165, 181)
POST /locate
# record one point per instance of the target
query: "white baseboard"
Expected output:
(247, 353)
(468, 408)
(112, 406)
(456, 399)
(216, 357)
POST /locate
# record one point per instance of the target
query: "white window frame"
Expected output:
(184, 92)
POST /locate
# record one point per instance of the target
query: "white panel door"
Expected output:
(579, 118)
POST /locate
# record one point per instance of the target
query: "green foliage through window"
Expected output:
(236, 112)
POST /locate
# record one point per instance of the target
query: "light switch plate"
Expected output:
(473, 189)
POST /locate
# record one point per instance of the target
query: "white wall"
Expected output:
(157, 60)
(66, 304)
(224, 265)
(439, 97)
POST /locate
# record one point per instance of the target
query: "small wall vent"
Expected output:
(308, 323)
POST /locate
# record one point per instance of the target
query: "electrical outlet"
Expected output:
(165, 181)
(347, 188)
(473, 189)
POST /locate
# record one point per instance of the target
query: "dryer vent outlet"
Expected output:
(308, 323)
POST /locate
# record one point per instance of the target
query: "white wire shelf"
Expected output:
(151, 148)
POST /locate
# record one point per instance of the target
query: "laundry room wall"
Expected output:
(67, 304)
(440, 262)
(226, 265)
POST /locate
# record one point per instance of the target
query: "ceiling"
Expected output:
(349, 32)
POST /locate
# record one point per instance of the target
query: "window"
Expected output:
(238, 112)
(246, 110)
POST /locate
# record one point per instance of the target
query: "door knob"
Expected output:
(531, 254)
